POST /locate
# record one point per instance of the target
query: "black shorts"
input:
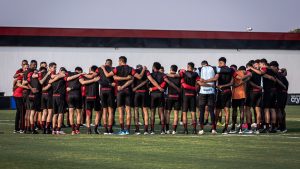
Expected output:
(269, 99)
(281, 99)
(93, 104)
(223, 100)
(173, 103)
(47, 101)
(157, 99)
(59, 104)
(238, 103)
(107, 98)
(34, 101)
(254, 99)
(189, 103)
(75, 101)
(141, 99)
(197, 101)
(206, 100)
(124, 98)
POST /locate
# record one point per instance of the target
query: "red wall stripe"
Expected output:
(134, 33)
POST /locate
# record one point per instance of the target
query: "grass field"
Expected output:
(151, 151)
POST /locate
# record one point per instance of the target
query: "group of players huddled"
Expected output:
(43, 96)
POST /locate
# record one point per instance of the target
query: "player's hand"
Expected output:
(161, 89)
(96, 78)
(113, 84)
(150, 89)
(134, 89)
(120, 88)
(129, 76)
(68, 89)
(102, 67)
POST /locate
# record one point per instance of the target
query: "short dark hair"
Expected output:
(242, 68)
(43, 63)
(191, 64)
(63, 69)
(264, 61)
(257, 61)
(204, 62)
(78, 69)
(223, 59)
(52, 64)
(174, 68)
(274, 63)
(94, 68)
(157, 65)
(234, 66)
(108, 60)
(26, 61)
(123, 59)
(43, 69)
(33, 61)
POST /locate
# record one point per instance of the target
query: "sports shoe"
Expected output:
(146, 133)
(60, 132)
(194, 132)
(257, 132)
(89, 131)
(224, 131)
(168, 132)
(77, 132)
(180, 123)
(232, 131)
(92, 124)
(96, 131)
(253, 125)
(137, 133)
(174, 132)
(53, 132)
(152, 133)
(214, 132)
(201, 132)
(246, 131)
(34, 132)
(240, 131)
(238, 125)
(21, 131)
(162, 132)
(15, 131)
(284, 131)
(73, 133)
(186, 132)
(121, 132)
(126, 132)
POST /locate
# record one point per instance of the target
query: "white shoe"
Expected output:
(214, 132)
(60, 132)
(140, 123)
(240, 132)
(230, 125)
(238, 125)
(105, 133)
(137, 133)
(232, 132)
(152, 133)
(168, 132)
(162, 133)
(146, 133)
(201, 132)
(92, 125)
(284, 131)
(253, 125)
(174, 132)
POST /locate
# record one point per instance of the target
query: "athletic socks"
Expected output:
(146, 128)
(122, 126)
(128, 127)
(167, 127)
(249, 126)
(175, 127)
(73, 127)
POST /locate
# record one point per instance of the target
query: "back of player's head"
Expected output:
(191, 65)
(52, 64)
(264, 61)
(63, 69)
(274, 63)
(123, 59)
(174, 68)
(78, 69)
(204, 63)
(242, 68)
(94, 68)
(249, 64)
(222, 59)
(139, 66)
(156, 65)
(234, 67)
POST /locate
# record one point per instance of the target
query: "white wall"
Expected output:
(70, 57)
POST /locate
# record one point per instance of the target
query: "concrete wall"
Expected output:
(70, 57)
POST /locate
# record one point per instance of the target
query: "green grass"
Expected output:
(168, 151)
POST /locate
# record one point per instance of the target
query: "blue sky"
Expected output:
(211, 15)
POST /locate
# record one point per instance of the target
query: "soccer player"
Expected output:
(107, 96)
(141, 98)
(123, 76)
(91, 82)
(238, 100)
(58, 83)
(47, 98)
(74, 98)
(173, 100)
(224, 83)
(208, 77)
(18, 96)
(188, 83)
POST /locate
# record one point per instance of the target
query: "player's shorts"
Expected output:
(93, 104)
(141, 99)
(75, 101)
(35, 102)
(107, 97)
(206, 100)
(188, 102)
(238, 103)
(124, 98)
(223, 100)
(269, 99)
(254, 99)
(173, 103)
(59, 102)
(281, 99)
(47, 101)
(157, 99)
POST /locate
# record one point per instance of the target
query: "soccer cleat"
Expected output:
(137, 133)
(146, 133)
(284, 131)
(180, 123)
(49, 131)
(152, 132)
(257, 132)
(272, 130)
(246, 131)
(240, 131)
(89, 131)
(126, 132)
(60, 132)
(232, 131)
(53, 132)
(194, 132)
(77, 132)
(201, 132)
(224, 131)
(34, 132)
(96, 131)
(186, 132)
(162, 132)
(121, 132)
(214, 132)
(15, 132)
(253, 125)
(21, 132)
(168, 132)
(92, 125)
(174, 132)
(73, 133)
